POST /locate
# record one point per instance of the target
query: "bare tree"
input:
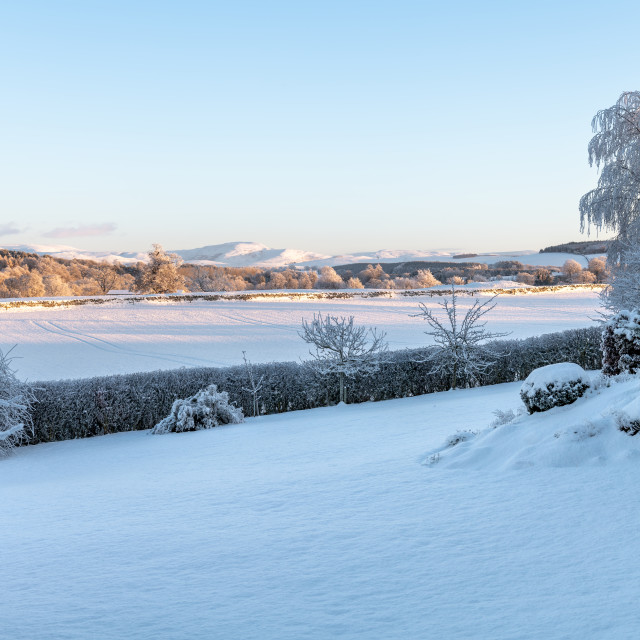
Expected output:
(16, 399)
(255, 383)
(107, 277)
(461, 351)
(342, 347)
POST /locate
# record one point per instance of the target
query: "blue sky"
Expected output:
(328, 126)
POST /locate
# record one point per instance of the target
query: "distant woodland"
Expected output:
(31, 275)
(579, 248)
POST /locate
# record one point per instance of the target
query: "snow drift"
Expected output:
(589, 432)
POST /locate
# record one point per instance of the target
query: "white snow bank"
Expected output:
(582, 434)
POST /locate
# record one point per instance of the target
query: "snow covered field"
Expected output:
(121, 337)
(322, 524)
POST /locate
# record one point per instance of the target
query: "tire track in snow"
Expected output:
(243, 319)
(126, 350)
(109, 347)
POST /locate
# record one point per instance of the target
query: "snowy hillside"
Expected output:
(324, 524)
(246, 254)
(583, 434)
(121, 337)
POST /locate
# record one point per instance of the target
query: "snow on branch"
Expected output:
(342, 347)
(462, 352)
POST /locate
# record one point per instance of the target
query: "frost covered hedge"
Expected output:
(204, 410)
(621, 344)
(554, 385)
(94, 406)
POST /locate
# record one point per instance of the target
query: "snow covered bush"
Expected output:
(553, 386)
(15, 407)
(503, 417)
(460, 436)
(621, 343)
(628, 418)
(206, 409)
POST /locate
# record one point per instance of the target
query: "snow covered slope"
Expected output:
(584, 433)
(121, 337)
(316, 524)
(246, 254)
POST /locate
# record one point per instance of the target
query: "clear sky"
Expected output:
(332, 126)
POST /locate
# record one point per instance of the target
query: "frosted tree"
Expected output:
(107, 277)
(354, 283)
(16, 399)
(598, 266)
(570, 269)
(623, 291)
(462, 351)
(329, 279)
(614, 205)
(342, 347)
(255, 384)
(161, 274)
(543, 277)
(426, 279)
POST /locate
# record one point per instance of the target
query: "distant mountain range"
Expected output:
(254, 254)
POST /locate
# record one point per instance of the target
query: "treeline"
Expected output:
(95, 406)
(27, 275)
(580, 248)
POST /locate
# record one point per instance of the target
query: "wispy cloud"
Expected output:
(9, 229)
(82, 230)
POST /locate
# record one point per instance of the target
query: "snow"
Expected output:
(245, 254)
(66, 252)
(557, 374)
(121, 337)
(242, 254)
(631, 410)
(327, 524)
(583, 434)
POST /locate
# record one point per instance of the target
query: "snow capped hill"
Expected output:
(255, 254)
(70, 253)
(247, 254)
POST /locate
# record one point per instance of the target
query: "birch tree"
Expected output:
(342, 347)
(614, 205)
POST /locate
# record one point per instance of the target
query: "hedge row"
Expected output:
(95, 406)
(293, 294)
